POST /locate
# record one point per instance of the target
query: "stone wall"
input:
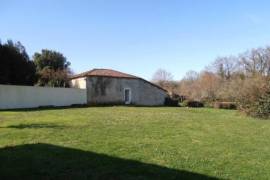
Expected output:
(108, 90)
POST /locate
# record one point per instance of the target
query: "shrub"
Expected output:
(225, 105)
(171, 102)
(208, 104)
(195, 104)
(253, 96)
(262, 107)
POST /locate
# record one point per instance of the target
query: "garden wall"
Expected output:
(12, 97)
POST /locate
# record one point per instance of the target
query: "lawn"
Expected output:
(133, 143)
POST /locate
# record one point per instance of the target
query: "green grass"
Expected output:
(133, 143)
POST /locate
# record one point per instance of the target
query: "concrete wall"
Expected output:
(12, 97)
(107, 90)
(78, 83)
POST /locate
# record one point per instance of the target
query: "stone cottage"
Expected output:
(105, 86)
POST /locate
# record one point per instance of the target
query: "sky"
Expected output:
(137, 36)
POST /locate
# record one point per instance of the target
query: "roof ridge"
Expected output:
(88, 73)
(114, 71)
(107, 69)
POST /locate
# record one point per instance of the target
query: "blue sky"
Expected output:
(137, 36)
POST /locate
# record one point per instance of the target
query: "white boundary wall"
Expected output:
(12, 97)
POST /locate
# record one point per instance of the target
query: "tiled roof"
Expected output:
(104, 72)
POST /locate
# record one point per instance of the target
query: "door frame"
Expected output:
(129, 90)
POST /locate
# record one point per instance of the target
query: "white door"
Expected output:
(127, 96)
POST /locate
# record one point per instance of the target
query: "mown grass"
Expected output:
(133, 143)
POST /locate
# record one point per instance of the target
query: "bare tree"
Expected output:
(256, 61)
(209, 84)
(191, 76)
(189, 86)
(225, 67)
(164, 79)
(203, 86)
(161, 75)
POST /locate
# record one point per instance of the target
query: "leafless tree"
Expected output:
(161, 75)
(256, 61)
(164, 79)
(225, 67)
(191, 76)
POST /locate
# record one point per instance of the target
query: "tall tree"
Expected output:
(52, 68)
(256, 61)
(15, 66)
(225, 67)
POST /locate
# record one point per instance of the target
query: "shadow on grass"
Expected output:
(34, 126)
(46, 108)
(45, 161)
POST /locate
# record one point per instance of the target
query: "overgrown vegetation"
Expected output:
(225, 105)
(243, 80)
(192, 103)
